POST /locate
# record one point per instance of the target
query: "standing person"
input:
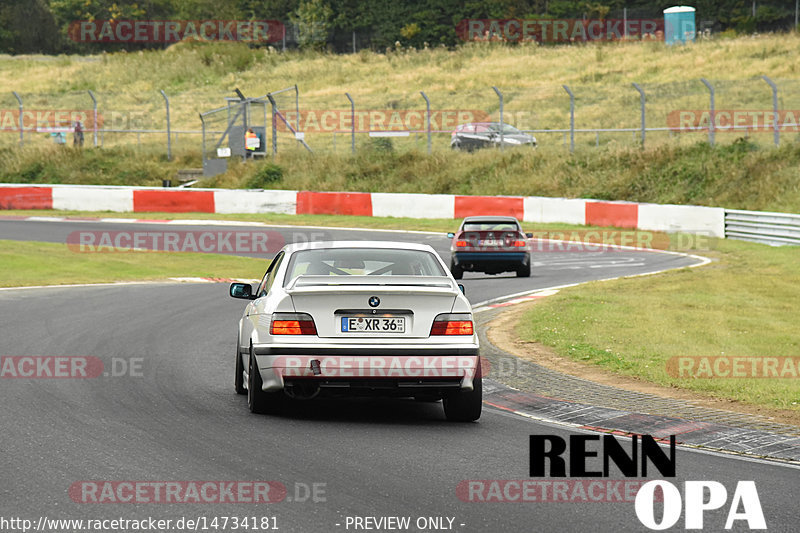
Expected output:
(77, 134)
(251, 142)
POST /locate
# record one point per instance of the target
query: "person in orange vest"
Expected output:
(251, 142)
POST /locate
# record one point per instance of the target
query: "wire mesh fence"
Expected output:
(591, 113)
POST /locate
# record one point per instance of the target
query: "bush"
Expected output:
(266, 175)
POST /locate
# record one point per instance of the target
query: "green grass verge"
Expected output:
(740, 175)
(442, 225)
(743, 304)
(24, 263)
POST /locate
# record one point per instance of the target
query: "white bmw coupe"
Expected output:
(358, 318)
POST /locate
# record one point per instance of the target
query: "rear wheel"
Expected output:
(238, 381)
(258, 401)
(456, 270)
(465, 406)
(524, 271)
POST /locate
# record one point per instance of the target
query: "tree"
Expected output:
(313, 21)
(28, 26)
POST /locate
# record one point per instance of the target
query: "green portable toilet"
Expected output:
(679, 26)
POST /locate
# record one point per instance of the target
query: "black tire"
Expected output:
(257, 400)
(465, 406)
(456, 270)
(238, 381)
(524, 271)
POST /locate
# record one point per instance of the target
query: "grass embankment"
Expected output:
(679, 168)
(744, 304)
(738, 176)
(38, 263)
(441, 225)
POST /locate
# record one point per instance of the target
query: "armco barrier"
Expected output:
(767, 228)
(26, 198)
(619, 215)
(334, 203)
(466, 206)
(670, 218)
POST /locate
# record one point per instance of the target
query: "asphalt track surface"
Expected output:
(556, 266)
(178, 419)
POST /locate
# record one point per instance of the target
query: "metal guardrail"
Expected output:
(776, 229)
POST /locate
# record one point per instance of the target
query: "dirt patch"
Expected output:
(502, 333)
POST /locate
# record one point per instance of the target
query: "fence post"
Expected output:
(502, 137)
(352, 124)
(297, 107)
(776, 132)
(274, 126)
(169, 130)
(571, 118)
(203, 122)
(94, 107)
(642, 101)
(712, 125)
(21, 129)
(428, 118)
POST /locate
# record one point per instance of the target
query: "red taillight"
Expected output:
(519, 244)
(452, 324)
(462, 244)
(292, 324)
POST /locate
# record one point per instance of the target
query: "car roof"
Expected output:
(334, 245)
(487, 218)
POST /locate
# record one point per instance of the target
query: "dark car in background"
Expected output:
(475, 135)
(490, 244)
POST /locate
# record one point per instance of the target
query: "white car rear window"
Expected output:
(362, 262)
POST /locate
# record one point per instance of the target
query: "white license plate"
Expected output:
(353, 324)
(492, 242)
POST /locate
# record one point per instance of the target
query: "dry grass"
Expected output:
(197, 77)
(672, 169)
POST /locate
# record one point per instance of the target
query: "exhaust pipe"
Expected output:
(305, 389)
(302, 390)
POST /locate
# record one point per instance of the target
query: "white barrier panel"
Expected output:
(682, 218)
(93, 198)
(238, 201)
(564, 210)
(413, 205)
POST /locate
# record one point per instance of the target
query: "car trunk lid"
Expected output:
(373, 306)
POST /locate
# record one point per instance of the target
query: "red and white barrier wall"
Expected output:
(671, 218)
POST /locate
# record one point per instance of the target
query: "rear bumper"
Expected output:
(396, 368)
(491, 261)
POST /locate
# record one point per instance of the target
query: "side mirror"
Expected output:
(242, 290)
(463, 290)
(529, 235)
(451, 234)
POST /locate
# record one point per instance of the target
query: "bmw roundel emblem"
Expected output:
(374, 301)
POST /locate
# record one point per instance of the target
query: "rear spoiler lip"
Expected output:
(426, 284)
